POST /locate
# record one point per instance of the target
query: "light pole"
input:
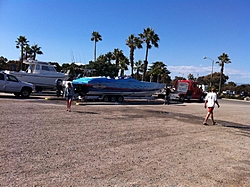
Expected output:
(212, 69)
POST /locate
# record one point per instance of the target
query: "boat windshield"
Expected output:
(48, 68)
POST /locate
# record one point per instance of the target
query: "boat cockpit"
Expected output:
(39, 67)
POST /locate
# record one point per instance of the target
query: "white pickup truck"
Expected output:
(10, 84)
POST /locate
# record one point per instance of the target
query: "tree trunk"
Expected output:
(132, 62)
(95, 52)
(221, 73)
(145, 65)
(21, 61)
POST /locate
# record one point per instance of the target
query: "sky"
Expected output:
(188, 31)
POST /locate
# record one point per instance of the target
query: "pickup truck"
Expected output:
(10, 84)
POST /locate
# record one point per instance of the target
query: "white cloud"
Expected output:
(235, 75)
(186, 70)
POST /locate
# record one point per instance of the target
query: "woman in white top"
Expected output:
(210, 101)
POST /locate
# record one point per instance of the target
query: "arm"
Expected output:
(205, 104)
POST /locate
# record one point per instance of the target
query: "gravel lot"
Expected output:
(131, 144)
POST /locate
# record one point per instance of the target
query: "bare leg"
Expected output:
(70, 104)
(212, 118)
(206, 118)
(67, 103)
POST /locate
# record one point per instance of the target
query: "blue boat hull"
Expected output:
(119, 86)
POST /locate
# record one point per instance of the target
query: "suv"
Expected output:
(10, 84)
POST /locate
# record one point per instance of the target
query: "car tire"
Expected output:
(25, 92)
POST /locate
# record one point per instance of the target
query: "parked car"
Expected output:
(245, 94)
(11, 84)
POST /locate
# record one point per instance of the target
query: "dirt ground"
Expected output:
(138, 145)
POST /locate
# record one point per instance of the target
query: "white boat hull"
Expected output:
(39, 80)
(42, 74)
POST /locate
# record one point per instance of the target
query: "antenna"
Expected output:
(72, 56)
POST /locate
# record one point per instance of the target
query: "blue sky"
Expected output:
(188, 31)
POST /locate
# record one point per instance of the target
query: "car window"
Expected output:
(1, 77)
(11, 78)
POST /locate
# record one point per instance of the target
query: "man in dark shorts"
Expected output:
(68, 94)
(167, 95)
(210, 101)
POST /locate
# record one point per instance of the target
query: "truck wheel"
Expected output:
(25, 92)
(182, 99)
(105, 98)
(120, 98)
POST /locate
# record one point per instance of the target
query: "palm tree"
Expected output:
(28, 52)
(159, 70)
(124, 62)
(117, 56)
(109, 56)
(21, 42)
(36, 50)
(3, 62)
(133, 42)
(150, 38)
(191, 76)
(222, 60)
(138, 68)
(95, 37)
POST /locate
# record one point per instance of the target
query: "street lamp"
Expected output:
(212, 69)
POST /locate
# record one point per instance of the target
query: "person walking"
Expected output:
(209, 103)
(167, 95)
(68, 94)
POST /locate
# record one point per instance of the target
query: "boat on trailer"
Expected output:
(114, 89)
(42, 74)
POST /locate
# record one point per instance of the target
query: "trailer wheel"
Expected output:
(113, 98)
(105, 98)
(120, 98)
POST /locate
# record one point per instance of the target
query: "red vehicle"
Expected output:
(188, 89)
